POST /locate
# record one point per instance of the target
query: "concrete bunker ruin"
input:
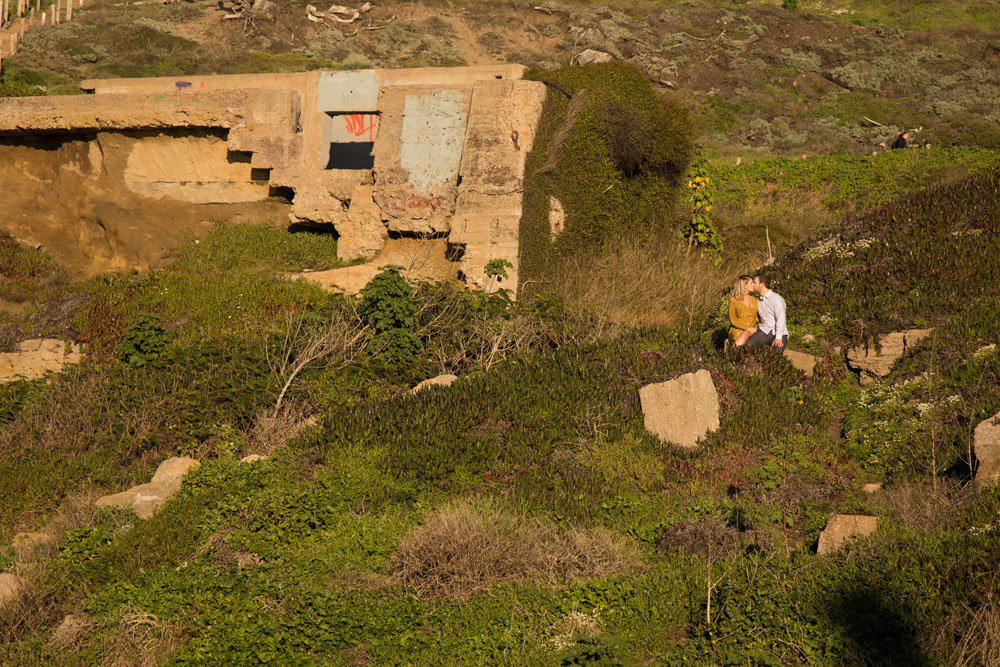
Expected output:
(420, 167)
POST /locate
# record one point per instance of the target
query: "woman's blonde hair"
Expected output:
(739, 288)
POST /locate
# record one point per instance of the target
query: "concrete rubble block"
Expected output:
(802, 361)
(25, 545)
(986, 446)
(145, 499)
(12, 587)
(872, 487)
(557, 217)
(682, 410)
(417, 156)
(486, 226)
(591, 56)
(72, 631)
(252, 458)
(438, 381)
(841, 528)
(363, 233)
(876, 361)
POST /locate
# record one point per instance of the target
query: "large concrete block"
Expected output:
(348, 91)
(682, 410)
(874, 362)
(843, 527)
(986, 445)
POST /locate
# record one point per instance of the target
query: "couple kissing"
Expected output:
(757, 322)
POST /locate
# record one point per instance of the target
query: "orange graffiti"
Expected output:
(358, 124)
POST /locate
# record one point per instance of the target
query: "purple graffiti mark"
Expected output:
(181, 85)
(358, 124)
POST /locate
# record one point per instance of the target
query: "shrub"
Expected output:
(387, 306)
(463, 549)
(612, 151)
(144, 340)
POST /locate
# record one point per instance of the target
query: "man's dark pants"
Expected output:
(761, 339)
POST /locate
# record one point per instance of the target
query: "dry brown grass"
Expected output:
(463, 549)
(140, 640)
(659, 282)
(924, 506)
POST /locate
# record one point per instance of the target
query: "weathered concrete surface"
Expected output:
(841, 528)
(449, 151)
(436, 381)
(193, 168)
(130, 111)
(145, 499)
(36, 357)
(682, 410)
(503, 120)
(421, 260)
(874, 362)
(362, 234)
(417, 157)
(986, 445)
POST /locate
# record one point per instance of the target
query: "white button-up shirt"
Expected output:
(771, 313)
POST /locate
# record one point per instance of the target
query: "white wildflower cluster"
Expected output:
(983, 530)
(837, 249)
(573, 624)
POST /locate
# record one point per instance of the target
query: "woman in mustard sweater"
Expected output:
(742, 312)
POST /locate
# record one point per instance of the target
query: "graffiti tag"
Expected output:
(358, 124)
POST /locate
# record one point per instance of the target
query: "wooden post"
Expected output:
(13, 44)
(69, 10)
(55, 13)
(43, 19)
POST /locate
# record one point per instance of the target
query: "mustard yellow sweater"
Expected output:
(741, 317)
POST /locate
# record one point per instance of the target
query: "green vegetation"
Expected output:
(612, 152)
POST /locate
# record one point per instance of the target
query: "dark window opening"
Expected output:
(281, 192)
(317, 228)
(351, 155)
(454, 252)
(239, 157)
(258, 174)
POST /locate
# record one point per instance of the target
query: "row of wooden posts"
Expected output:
(28, 16)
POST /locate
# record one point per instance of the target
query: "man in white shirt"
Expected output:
(773, 329)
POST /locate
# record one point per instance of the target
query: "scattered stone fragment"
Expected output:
(557, 217)
(986, 445)
(802, 361)
(252, 458)
(681, 410)
(36, 357)
(145, 499)
(26, 543)
(439, 381)
(872, 487)
(842, 527)
(12, 587)
(73, 630)
(808, 338)
(591, 56)
(876, 361)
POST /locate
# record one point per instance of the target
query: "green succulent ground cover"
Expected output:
(299, 559)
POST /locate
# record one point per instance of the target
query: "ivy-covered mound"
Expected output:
(612, 151)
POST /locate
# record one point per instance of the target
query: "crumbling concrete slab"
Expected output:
(843, 527)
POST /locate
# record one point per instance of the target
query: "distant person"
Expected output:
(773, 329)
(900, 141)
(742, 312)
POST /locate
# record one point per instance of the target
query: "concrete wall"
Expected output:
(447, 149)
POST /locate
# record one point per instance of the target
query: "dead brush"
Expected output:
(272, 428)
(463, 549)
(921, 506)
(653, 283)
(140, 640)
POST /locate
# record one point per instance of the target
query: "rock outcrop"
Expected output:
(802, 361)
(986, 445)
(438, 381)
(145, 499)
(12, 587)
(841, 528)
(36, 357)
(682, 410)
(874, 362)
(73, 630)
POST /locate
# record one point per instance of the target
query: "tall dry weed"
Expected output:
(463, 549)
(658, 282)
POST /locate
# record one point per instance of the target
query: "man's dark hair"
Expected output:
(764, 279)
